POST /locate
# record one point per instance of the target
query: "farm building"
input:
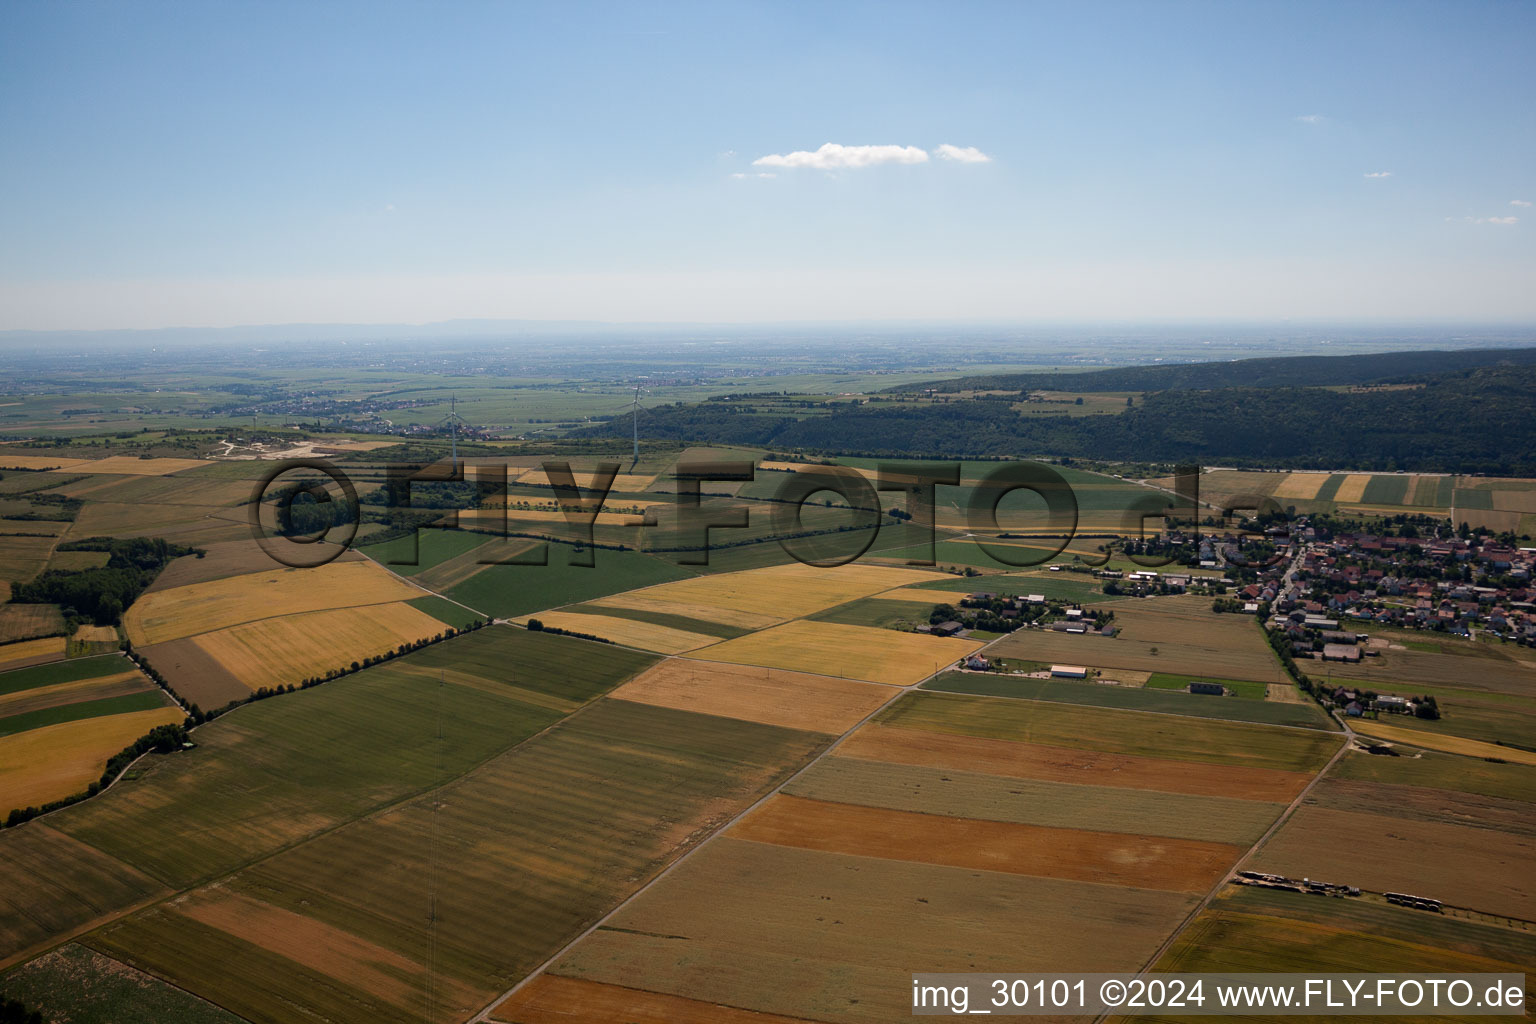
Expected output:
(1212, 688)
(1340, 652)
(947, 628)
(1069, 671)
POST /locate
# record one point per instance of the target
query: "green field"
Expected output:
(1231, 709)
(1239, 687)
(62, 672)
(961, 794)
(283, 769)
(509, 590)
(537, 843)
(886, 614)
(445, 611)
(1114, 730)
(146, 701)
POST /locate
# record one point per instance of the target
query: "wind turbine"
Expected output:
(453, 419)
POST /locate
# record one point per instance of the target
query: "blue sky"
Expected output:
(220, 163)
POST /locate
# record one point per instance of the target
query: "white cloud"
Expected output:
(832, 156)
(962, 154)
(1378, 174)
(1519, 202)
(1490, 220)
(1311, 118)
(739, 175)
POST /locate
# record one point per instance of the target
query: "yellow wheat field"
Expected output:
(1428, 740)
(1301, 486)
(778, 592)
(37, 462)
(96, 634)
(205, 607)
(648, 636)
(1353, 487)
(125, 465)
(31, 650)
(287, 649)
(793, 700)
(852, 652)
(56, 761)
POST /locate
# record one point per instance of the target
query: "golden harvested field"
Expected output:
(204, 607)
(854, 652)
(1353, 487)
(1109, 858)
(1462, 865)
(548, 999)
(130, 466)
(780, 592)
(40, 697)
(830, 937)
(56, 761)
(95, 634)
(877, 742)
(1165, 634)
(9, 461)
(31, 652)
(1430, 740)
(1301, 486)
(789, 699)
(647, 636)
(285, 649)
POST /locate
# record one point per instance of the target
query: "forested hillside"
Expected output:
(1474, 421)
(1292, 371)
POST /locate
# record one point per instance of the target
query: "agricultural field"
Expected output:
(78, 985)
(206, 607)
(1166, 634)
(1479, 868)
(28, 621)
(324, 756)
(958, 832)
(648, 636)
(1169, 702)
(854, 652)
(533, 860)
(1254, 930)
(287, 649)
(791, 700)
(506, 591)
